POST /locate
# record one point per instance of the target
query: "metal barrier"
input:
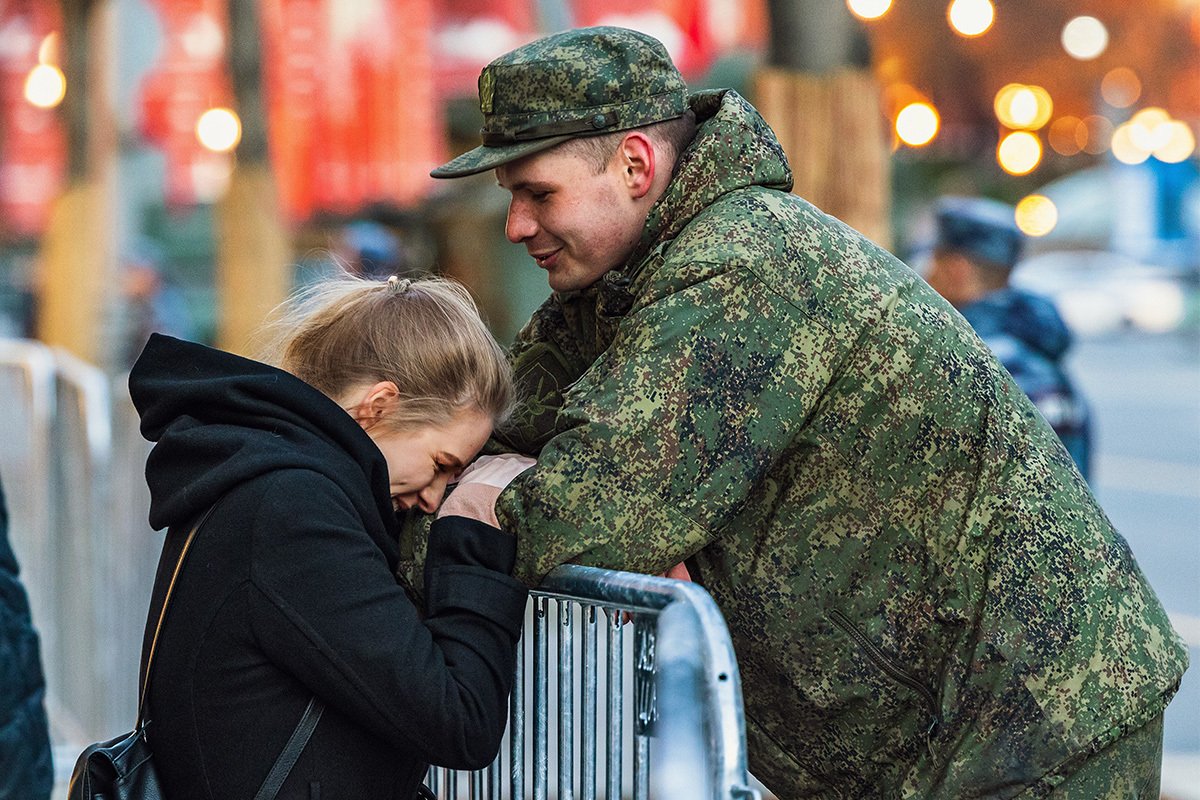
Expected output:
(668, 693)
(72, 472)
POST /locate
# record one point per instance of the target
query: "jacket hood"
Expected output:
(734, 148)
(1031, 319)
(218, 420)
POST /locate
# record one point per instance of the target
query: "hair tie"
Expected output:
(397, 285)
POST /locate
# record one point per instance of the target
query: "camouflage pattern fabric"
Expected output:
(1028, 336)
(924, 597)
(581, 82)
(1129, 769)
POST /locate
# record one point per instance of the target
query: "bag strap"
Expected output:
(291, 751)
(162, 614)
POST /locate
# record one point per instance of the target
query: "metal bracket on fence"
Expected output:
(684, 715)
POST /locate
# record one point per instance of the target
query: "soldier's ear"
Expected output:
(635, 159)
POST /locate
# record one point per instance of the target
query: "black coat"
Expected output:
(289, 591)
(25, 769)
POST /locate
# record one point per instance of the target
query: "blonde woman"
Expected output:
(384, 390)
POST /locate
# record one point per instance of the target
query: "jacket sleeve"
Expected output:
(331, 613)
(662, 441)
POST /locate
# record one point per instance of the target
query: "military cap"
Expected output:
(581, 82)
(984, 230)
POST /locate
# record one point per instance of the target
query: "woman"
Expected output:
(384, 391)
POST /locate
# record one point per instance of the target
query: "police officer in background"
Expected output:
(978, 244)
(924, 597)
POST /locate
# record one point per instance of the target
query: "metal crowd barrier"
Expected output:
(656, 710)
(71, 463)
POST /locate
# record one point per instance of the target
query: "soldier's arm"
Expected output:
(662, 440)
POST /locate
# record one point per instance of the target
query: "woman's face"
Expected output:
(422, 461)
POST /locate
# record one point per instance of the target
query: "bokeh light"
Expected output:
(1097, 134)
(1019, 153)
(1064, 135)
(219, 130)
(1036, 215)
(48, 49)
(1156, 307)
(1149, 129)
(917, 124)
(971, 17)
(1084, 38)
(45, 86)
(1023, 107)
(868, 9)
(1179, 145)
(1125, 149)
(1121, 87)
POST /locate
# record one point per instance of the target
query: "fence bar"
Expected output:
(616, 682)
(566, 701)
(541, 657)
(516, 728)
(587, 734)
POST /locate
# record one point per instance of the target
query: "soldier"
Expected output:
(978, 245)
(924, 597)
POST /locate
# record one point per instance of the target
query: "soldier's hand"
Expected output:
(480, 484)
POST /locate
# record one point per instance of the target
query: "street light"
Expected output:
(868, 9)
(219, 130)
(1084, 38)
(917, 124)
(1019, 153)
(971, 18)
(45, 86)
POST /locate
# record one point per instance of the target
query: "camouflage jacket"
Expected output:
(1029, 337)
(924, 597)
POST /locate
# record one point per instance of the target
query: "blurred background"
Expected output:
(181, 165)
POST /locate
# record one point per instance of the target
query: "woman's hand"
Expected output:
(480, 484)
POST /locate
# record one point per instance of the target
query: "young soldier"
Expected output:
(924, 597)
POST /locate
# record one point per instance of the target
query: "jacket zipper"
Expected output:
(881, 660)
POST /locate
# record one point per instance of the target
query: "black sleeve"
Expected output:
(333, 615)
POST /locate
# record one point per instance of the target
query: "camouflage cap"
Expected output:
(581, 82)
(983, 229)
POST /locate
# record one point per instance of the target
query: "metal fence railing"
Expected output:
(626, 687)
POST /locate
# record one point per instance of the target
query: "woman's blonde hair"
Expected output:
(424, 335)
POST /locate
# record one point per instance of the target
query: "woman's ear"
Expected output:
(379, 402)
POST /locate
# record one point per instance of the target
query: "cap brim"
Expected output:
(483, 158)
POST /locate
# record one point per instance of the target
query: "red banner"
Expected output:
(695, 32)
(33, 148)
(352, 116)
(189, 78)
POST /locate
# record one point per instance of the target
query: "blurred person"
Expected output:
(978, 244)
(924, 597)
(384, 391)
(371, 249)
(26, 772)
(151, 304)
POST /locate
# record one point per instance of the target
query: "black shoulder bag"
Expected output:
(123, 768)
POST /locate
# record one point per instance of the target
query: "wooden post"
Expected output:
(77, 263)
(832, 129)
(253, 244)
(824, 105)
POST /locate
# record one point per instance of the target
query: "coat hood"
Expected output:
(219, 420)
(1029, 318)
(734, 148)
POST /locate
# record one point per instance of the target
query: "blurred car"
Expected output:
(1099, 291)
